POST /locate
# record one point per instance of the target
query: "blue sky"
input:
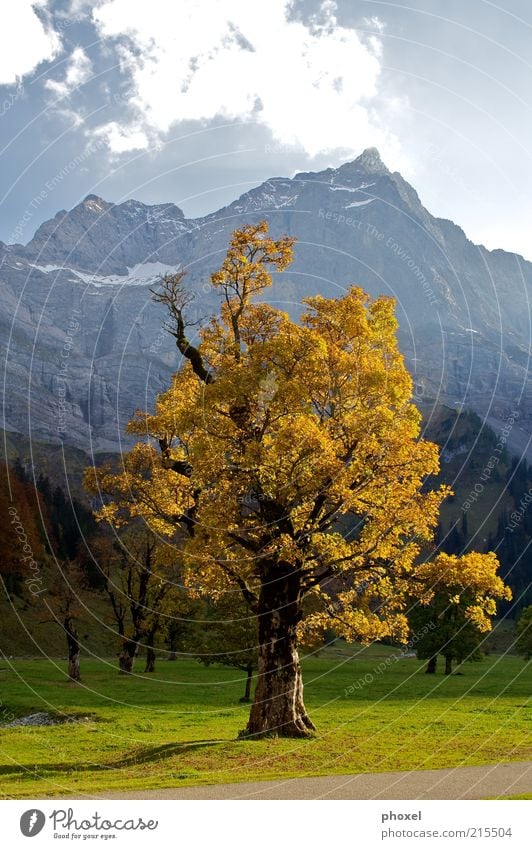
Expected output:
(195, 102)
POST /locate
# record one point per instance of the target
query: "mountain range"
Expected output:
(83, 342)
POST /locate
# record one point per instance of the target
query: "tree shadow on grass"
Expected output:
(146, 755)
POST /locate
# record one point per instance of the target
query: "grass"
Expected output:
(179, 725)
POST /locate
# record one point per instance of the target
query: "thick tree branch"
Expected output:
(173, 296)
(247, 592)
(248, 544)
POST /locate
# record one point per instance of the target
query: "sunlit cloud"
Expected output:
(78, 71)
(312, 83)
(25, 40)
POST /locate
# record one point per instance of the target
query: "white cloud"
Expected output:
(312, 84)
(78, 9)
(79, 70)
(25, 41)
(123, 139)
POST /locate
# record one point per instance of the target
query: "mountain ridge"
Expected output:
(369, 159)
(462, 309)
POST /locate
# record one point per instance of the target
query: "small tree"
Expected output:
(151, 631)
(139, 575)
(68, 593)
(227, 634)
(69, 611)
(270, 435)
(524, 633)
(175, 633)
(452, 605)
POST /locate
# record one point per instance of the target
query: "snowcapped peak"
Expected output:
(95, 204)
(369, 161)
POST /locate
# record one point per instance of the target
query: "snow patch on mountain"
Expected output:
(351, 188)
(140, 274)
(359, 203)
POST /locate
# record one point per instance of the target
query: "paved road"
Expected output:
(471, 782)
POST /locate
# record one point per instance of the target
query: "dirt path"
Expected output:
(471, 782)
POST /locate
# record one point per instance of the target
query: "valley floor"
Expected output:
(375, 711)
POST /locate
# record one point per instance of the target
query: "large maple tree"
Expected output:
(285, 462)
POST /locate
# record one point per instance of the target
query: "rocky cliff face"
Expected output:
(83, 340)
(107, 238)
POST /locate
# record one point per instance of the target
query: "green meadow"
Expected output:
(375, 710)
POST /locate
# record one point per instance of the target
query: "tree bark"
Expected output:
(172, 640)
(278, 709)
(448, 664)
(431, 665)
(74, 672)
(127, 657)
(247, 693)
(73, 649)
(150, 658)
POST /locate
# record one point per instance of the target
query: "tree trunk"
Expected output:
(172, 640)
(431, 665)
(73, 668)
(448, 664)
(247, 694)
(150, 659)
(127, 657)
(278, 709)
(73, 649)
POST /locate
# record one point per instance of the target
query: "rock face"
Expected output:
(107, 238)
(84, 342)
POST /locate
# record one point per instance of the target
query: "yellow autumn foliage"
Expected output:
(293, 449)
(469, 581)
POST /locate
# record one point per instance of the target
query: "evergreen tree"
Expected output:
(524, 633)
